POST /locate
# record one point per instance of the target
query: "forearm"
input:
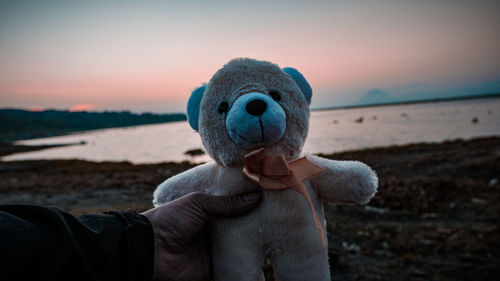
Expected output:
(40, 243)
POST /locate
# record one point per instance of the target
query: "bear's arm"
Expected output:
(344, 181)
(195, 179)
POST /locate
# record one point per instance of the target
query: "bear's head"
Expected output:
(250, 104)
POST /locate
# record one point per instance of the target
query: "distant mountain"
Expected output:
(375, 96)
(420, 93)
(21, 124)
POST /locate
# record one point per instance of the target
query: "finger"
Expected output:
(229, 205)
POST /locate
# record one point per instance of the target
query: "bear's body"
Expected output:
(281, 228)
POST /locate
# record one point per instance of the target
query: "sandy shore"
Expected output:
(435, 217)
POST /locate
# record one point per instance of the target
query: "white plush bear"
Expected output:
(247, 105)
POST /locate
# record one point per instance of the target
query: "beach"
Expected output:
(434, 217)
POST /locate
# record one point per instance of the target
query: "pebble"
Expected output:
(375, 209)
(493, 181)
(351, 247)
(363, 233)
(476, 200)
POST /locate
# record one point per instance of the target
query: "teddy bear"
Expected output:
(253, 119)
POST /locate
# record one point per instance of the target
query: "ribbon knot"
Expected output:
(274, 172)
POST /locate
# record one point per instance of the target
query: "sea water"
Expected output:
(330, 131)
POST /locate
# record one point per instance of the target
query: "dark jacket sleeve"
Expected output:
(43, 243)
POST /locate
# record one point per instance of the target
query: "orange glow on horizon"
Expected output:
(81, 107)
(36, 109)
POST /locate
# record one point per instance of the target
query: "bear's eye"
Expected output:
(275, 95)
(223, 107)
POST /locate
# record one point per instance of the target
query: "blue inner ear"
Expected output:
(193, 106)
(301, 82)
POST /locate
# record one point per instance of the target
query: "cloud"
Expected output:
(81, 107)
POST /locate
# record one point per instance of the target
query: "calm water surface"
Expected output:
(330, 131)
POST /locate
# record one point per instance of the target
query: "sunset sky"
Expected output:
(149, 55)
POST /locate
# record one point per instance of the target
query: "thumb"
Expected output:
(232, 205)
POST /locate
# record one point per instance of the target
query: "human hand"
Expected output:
(182, 249)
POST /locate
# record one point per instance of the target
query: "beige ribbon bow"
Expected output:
(274, 172)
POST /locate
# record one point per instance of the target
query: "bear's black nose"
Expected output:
(256, 107)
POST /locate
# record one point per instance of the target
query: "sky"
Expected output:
(147, 56)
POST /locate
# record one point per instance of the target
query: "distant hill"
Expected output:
(422, 92)
(19, 124)
(375, 96)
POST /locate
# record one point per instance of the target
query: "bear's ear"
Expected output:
(301, 82)
(193, 106)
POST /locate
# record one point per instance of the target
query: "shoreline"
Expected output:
(7, 149)
(10, 148)
(436, 215)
